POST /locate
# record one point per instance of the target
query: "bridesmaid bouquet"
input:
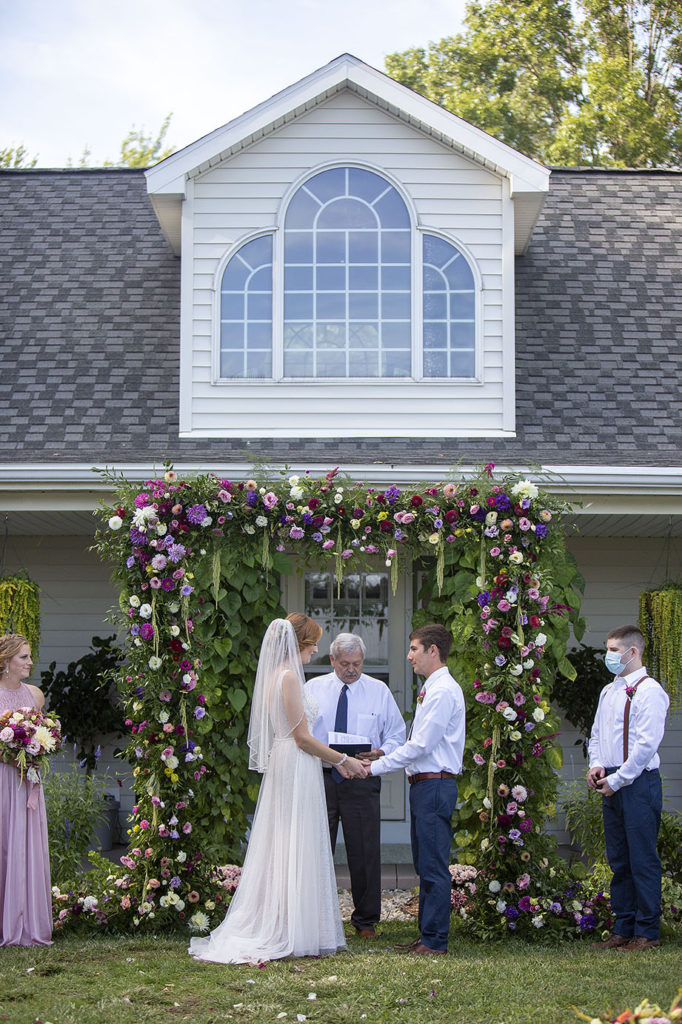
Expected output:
(28, 739)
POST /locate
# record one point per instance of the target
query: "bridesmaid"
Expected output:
(25, 898)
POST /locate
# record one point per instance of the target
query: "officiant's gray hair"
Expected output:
(346, 642)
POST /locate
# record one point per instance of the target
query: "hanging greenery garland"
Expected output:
(660, 619)
(20, 609)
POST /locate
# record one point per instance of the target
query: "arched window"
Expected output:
(449, 311)
(246, 311)
(347, 278)
(345, 291)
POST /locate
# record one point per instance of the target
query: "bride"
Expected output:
(286, 902)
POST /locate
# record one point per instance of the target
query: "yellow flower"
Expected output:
(382, 516)
(459, 532)
(174, 777)
(434, 538)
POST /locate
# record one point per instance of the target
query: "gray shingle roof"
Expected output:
(89, 330)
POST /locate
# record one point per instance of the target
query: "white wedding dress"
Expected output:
(286, 903)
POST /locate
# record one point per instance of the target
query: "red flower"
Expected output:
(386, 526)
(452, 516)
(314, 503)
(121, 512)
(504, 643)
(534, 621)
(416, 501)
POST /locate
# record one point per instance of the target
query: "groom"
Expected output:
(432, 758)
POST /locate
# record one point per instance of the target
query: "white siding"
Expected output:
(245, 194)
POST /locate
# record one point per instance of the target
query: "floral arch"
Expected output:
(198, 564)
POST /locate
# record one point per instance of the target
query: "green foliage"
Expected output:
(83, 697)
(16, 156)
(141, 149)
(660, 619)
(74, 805)
(578, 697)
(20, 608)
(594, 82)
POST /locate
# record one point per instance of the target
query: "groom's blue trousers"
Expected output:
(432, 803)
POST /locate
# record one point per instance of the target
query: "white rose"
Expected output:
(89, 903)
(249, 529)
(145, 611)
(174, 631)
(500, 906)
(163, 717)
(134, 601)
(296, 493)
(206, 521)
(261, 521)
(154, 663)
(338, 498)
(181, 857)
(115, 523)
(539, 715)
(515, 735)
(516, 670)
(509, 714)
(174, 607)
(172, 762)
(491, 519)
(161, 529)
(525, 489)
(486, 803)
(494, 886)
(293, 480)
(180, 905)
(516, 557)
(528, 663)
(538, 920)
(540, 640)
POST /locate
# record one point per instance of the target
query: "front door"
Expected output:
(363, 604)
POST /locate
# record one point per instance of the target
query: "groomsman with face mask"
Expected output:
(624, 762)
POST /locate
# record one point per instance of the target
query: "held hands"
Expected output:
(353, 769)
(372, 755)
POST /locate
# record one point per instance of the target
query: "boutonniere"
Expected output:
(421, 696)
(630, 692)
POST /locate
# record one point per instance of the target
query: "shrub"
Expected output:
(75, 808)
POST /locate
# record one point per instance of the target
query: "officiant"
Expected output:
(352, 702)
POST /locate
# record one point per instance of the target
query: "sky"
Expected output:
(77, 73)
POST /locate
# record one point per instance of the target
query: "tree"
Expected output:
(139, 149)
(594, 82)
(16, 156)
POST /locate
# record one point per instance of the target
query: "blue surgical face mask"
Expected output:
(613, 664)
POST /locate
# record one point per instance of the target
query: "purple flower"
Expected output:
(167, 583)
(251, 499)
(196, 514)
(555, 908)
(587, 922)
(187, 590)
(511, 913)
(146, 631)
(541, 530)
(296, 533)
(317, 537)
(514, 834)
(437, 523)
(175, 882)
(500, 660)
(136, 537)
(199, 712)
(134, 630)
(176, 552)
(483, 598)
(392, 494)
(525, 825)
(130, 562)
(524, 903)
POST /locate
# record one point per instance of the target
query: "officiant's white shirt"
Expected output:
(372, 710)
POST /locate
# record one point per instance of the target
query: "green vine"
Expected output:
(20, 609)
(660, 619)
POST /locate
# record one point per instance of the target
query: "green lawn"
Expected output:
(143, 979)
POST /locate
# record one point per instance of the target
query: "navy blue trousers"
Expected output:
(632, 817)
(432, 803)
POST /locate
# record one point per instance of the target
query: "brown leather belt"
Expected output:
(430, 775)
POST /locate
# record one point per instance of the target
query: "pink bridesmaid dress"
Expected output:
(25, 897)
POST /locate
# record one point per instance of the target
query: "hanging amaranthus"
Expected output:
(20, 609)
(660, 619)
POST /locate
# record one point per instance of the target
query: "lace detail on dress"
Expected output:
(310, 707)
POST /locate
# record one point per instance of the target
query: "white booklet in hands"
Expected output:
(349, 743)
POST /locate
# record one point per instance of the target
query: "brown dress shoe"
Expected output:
(366, 933)
(421, 950)
(639, 942)
(406, 946)
(612, 942)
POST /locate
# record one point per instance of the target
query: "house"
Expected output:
(345, 275)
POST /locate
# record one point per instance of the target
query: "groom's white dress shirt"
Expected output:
(436, 742)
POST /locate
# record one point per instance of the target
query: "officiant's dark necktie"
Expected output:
(341, 723)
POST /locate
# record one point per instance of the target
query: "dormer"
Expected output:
(347, 252)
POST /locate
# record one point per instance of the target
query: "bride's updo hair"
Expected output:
(307, 630)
